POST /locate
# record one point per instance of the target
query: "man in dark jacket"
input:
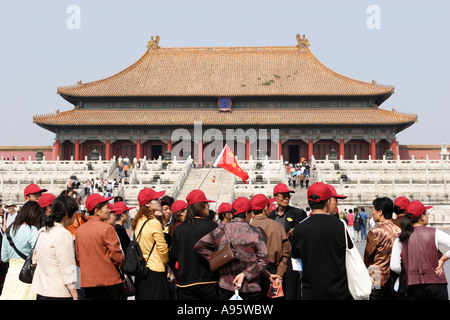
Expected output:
(285, 214)
(319, 242)
(289, 217)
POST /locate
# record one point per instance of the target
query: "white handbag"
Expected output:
(359, 281)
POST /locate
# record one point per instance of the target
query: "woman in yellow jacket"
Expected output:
(153, 286)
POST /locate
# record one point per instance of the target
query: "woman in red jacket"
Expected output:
(98, 252)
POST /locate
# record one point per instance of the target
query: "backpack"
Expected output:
(359, 219)
(134, 263)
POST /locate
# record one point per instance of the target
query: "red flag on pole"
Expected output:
(227, 161)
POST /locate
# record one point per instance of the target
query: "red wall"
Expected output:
(25, 154)
(420, 154)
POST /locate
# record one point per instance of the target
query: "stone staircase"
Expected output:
(299, 198)
(115, 175)
(221, 190)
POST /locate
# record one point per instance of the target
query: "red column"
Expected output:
(56, 149)
(138, 149)
(342, 148)
(247, 149)
(77, 150)
(169, 145)
(394, 147)
(373, 149)
(108, 150)
(280, 149)
(310, 148)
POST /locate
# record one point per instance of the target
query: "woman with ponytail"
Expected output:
(55, 275)
(148, 232)
(416, 255)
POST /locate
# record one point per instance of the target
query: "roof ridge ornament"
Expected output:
(153, 43)
(302, 42)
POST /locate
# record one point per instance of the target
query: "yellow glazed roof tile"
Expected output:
(173, 117)
(226, 71)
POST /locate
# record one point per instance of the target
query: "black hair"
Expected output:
(167, 199)
(398, 210)
(176, 219)
(314, 205)
(62, 206)
(240, 215)
(256, 212)
(118, 199)
(386, 205)
(212, 215)
(407, 226)
(30, 214)
(99, 206)
(119, 216)
(194, 210)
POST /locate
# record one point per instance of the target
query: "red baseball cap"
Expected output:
(260, 201)
(224, 207)
(148, 194)
(402, 202)
(321, 190)
(94, 199)
(197, 196)
(119, 207)
(46, 199)
(178, 205)
(334, 193)
(281, 188)
(416, 208)
(32, 188)
(240, 205)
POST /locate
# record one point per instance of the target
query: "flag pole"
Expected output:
(213, 166)
(205, 177)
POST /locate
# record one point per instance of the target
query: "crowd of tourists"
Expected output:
(256, 248)
(299, 174)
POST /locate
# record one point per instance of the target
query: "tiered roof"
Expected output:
(226, 72)
(172, 117)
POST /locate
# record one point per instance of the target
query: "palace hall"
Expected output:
(283, 89)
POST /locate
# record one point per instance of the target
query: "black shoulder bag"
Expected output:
(27, 272)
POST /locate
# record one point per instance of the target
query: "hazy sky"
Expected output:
(44, 45)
